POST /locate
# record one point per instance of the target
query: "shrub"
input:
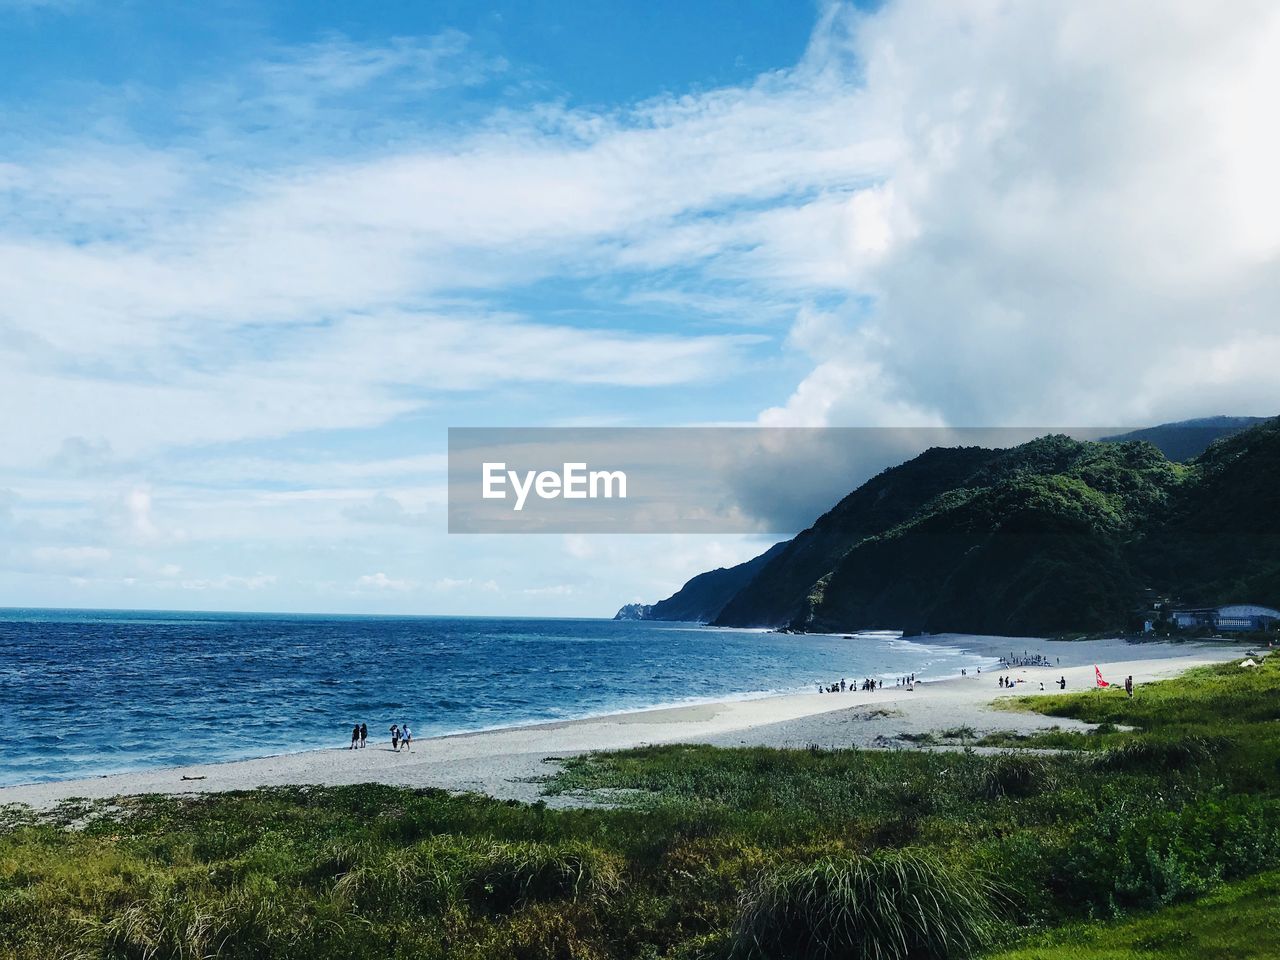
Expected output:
(1146, 857)
(1013, 775)
(419, 878)
(890, 905)
(511, 875)
(244, 922)
(1151, 754)
(544, 932)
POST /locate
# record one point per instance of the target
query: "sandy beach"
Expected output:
(509, 763)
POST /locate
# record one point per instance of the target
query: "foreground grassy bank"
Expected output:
(707, 853)
(1237, 920)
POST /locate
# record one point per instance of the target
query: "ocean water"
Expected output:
(85, 693)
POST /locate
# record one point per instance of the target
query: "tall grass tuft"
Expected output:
(244, 922)
(892, 905)
(511, 875)
(389, 880)
(1178, 753)
(1015, 775)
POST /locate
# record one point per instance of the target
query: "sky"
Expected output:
(257, 258)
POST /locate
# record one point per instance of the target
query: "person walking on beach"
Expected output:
(364, 734)
(395, 738)
(355, 737)
(1128, 686)
(406, 736)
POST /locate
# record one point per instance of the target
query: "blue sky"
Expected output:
(590, 54)
(257, 258)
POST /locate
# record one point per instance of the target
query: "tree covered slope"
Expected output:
(1055, 535)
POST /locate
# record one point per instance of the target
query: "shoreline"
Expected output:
(508, 762)
(926, 652)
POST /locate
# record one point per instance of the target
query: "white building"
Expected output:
(1236, 616)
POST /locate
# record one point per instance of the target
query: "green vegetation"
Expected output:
(1238, 920)
(1221, 716)
(1144, 842)
(1053, 537)
(893, 903)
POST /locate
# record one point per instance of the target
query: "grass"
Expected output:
(1223, 712)
(890, 904)
(708, 853)
(1239, 920)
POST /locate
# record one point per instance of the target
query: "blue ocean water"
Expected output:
(85, 693)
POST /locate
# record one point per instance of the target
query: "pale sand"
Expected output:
(508, 763)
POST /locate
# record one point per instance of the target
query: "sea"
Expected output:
(92, 692)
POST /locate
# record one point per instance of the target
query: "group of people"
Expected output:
(867, 685)
(1010, 682)
(1061, 682)
(1028, 659)
(401, 736)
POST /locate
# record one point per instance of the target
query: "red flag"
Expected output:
(1098, 674)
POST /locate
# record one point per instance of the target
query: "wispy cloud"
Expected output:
(250, 314)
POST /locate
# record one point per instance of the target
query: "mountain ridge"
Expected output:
(1051, 536)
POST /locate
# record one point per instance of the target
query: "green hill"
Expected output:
(1053, 536)
(1036, 543)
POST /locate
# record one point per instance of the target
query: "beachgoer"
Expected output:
(355, 737)
(406, 736)
(1062, 683)
(395, 738)
(842, 684)
(1128, 686)
(364, 734)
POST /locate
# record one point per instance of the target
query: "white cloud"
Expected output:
(968, 212)
(1082, 226)
(382, 508)
(380, 581)
(230, 582)
(555, 590)
(158, 297)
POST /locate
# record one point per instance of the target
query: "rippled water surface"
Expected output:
(93, 692)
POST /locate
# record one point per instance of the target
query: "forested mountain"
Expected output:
(1187, 439)
(1052, 536)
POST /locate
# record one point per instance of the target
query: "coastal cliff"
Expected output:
(702, 598)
